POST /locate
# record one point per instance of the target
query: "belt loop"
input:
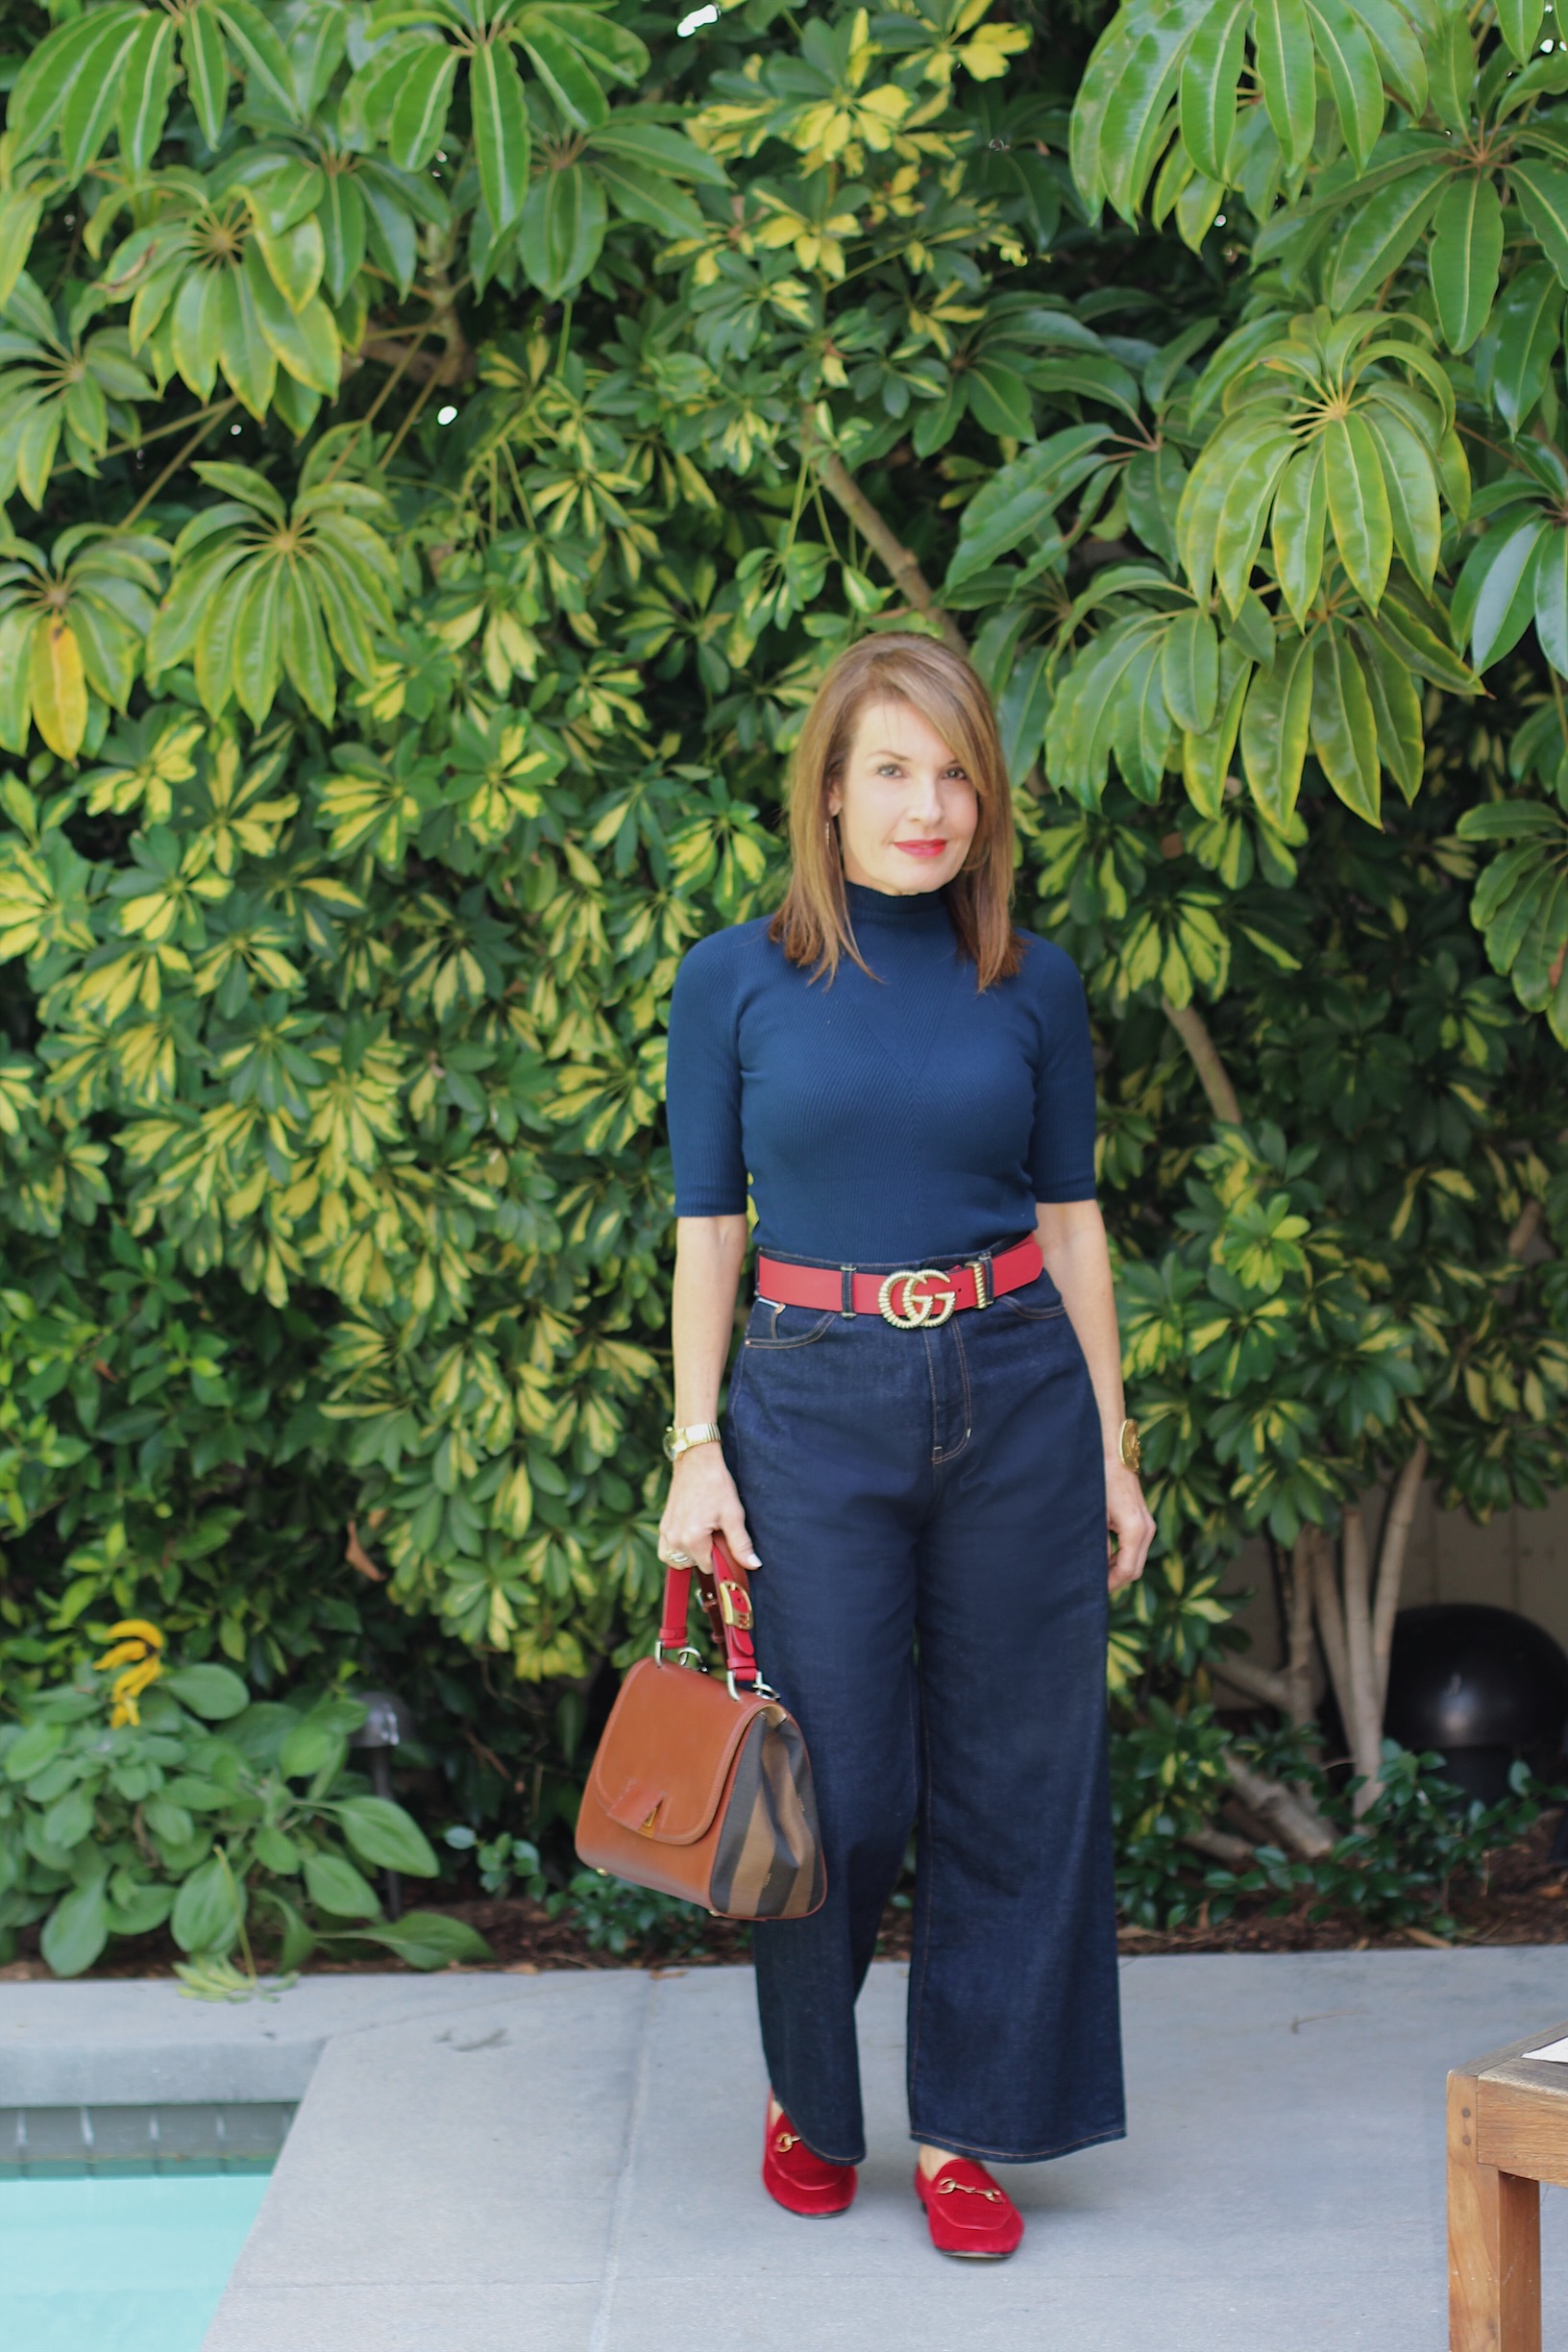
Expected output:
(846, 1292)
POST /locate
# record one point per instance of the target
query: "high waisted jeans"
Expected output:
(929, 1509)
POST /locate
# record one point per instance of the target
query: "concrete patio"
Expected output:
(567, 2162)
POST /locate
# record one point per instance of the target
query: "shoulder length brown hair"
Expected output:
(813, 925)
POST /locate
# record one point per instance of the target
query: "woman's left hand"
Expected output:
(1131, 1522)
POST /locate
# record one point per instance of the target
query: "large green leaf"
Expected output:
(1129, 84)
(1350, 63)
(1344, 730)
(1513, 358)
(500, 132)
(1396, 706)
(1519, 21)
(1552, 600)
(417, 119)
(1542, 191)
(383, 1834)
(1465, 256)
(1274, 730)
(76, 1930)
(1358, 511)
(145, 71)
(335, 1886)
(1411, 480)
(72, 72)
(1189, 669)
(213, 1692)
(209, 1910)
(429, 1940)
(1210, 75)
(1451, 68)
(1020, 500)
(1282, 34)
(206, 67)
(1301, 513)
(1382, 230)
(1206, 758)
(562, 228)
(1499, 593)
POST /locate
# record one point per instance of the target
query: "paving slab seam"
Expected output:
(620, 2209)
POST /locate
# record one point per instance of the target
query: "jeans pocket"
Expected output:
(1037, 1302)
(768, 1326)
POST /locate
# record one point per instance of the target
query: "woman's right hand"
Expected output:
(702, 1501)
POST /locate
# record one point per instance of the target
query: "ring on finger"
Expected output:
(679, 1560)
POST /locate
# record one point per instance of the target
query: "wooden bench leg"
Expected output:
(1494, 2243)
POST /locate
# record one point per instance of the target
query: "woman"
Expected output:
(925, 1436)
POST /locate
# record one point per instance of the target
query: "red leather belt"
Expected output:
(917, 1298)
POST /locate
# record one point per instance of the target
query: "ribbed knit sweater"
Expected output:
(910, 1118)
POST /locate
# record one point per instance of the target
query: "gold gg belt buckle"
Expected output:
(920, 1309)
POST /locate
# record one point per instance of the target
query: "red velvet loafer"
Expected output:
(968, 2213)
(800, 2181)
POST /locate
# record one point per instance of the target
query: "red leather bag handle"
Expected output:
(725, 1596)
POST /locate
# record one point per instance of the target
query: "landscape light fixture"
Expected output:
(386, 1725)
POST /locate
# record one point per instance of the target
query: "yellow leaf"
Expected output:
(60, 687)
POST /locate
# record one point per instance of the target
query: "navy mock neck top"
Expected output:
(907, 1119)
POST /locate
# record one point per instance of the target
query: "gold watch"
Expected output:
(1128, 1447)
(679, 1441)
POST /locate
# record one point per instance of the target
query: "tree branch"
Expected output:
(1257, 1681)
(1524, 1232)
(1221, 1846)
(1296, 1825)
(1192, 1028)
(842, 486)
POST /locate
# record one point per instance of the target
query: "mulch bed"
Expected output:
(1524, 1901)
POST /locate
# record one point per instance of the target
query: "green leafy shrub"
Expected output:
(207, 1811)
(1399, 1863)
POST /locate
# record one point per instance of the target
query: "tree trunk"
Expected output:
(1213, 1077)
(1396, 1535)
(1363, 1727)
(1297, 1674)
(1331, 1628)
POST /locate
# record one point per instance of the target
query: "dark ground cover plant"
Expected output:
(440, 448)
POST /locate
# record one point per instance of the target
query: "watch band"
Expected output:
(679, 1441)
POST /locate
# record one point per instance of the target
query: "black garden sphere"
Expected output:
(1482, 1685)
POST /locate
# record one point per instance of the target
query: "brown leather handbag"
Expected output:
(702, 1786)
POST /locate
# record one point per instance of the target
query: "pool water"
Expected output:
(132, 2263)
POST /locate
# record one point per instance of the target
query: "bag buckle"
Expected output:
(734, 1604)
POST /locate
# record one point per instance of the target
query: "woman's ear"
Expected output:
(835, 799)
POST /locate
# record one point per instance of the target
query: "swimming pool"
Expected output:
(125, 2263)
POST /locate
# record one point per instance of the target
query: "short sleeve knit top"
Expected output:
(910, 1118)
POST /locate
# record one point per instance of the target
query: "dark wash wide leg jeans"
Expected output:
(929, 1509)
